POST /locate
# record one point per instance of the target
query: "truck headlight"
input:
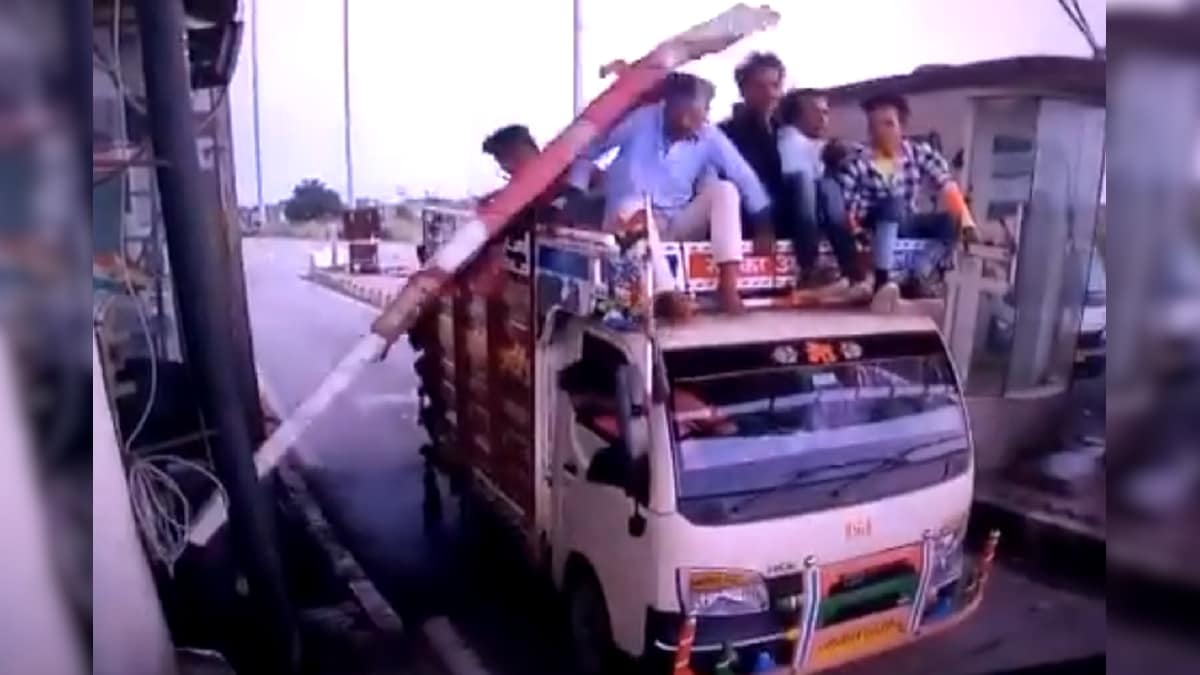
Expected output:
(722, 592)
(948, 553)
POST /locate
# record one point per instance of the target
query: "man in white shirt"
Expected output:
(815, 203)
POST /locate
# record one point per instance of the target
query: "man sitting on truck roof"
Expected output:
(513, 147)
(812, 164)
(670, 152)
(752, 125)
(882, 184)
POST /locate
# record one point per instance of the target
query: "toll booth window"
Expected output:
(591, 384)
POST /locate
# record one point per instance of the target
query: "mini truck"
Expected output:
(782, 491)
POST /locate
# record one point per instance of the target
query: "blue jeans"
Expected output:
(891, 220)
(818, 207)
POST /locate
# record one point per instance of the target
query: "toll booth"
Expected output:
(1025, 309)
(362, 228)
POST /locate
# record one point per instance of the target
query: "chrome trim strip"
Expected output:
(717, 647)
(812, 612)
(914, 619)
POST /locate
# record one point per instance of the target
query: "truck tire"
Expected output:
(592, 649)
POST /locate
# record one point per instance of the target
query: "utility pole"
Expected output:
(576, 58)
(346, 101)
(258, 178)
(333, 251)
(200, 273)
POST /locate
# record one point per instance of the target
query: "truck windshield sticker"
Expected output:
(785, 355)
(820, 352)
(562, 262)
(851, 350)
(707, 361)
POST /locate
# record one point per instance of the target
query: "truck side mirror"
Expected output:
(637, 473)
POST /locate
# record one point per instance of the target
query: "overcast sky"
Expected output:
(430, 78)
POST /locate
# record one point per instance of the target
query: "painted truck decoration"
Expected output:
(789, 577)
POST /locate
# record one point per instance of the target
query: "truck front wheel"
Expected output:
(587, 619)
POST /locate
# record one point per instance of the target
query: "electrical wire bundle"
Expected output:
(160, 506)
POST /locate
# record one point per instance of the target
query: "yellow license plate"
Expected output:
(846, 644)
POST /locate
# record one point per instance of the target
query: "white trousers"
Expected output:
(714, 214)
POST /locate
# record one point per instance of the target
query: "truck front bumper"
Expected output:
(776, 643)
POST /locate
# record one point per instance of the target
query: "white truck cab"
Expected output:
(785, 487)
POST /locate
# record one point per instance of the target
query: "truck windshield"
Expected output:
(790, 417)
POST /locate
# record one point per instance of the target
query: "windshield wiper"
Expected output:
(881, 464)
(793, 479)
(888, 463)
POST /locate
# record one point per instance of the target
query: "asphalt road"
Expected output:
(361, 460)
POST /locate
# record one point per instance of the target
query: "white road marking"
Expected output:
(369, 401)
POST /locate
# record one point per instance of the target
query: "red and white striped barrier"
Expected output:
(492, 218)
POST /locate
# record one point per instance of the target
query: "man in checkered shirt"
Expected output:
(882, 182)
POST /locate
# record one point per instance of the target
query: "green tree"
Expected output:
(311, 199)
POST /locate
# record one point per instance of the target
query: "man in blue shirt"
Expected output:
(669, 152)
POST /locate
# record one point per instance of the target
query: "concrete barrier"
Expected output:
(376, 290)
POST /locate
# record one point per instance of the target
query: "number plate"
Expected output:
(845, 645)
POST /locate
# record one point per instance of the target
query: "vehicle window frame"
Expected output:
(676, 442)
(588, 421)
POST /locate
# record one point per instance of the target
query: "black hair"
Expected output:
(888, 100)
(793, 102)
(685, 86)
(754, 62)
(506, 138)
(834, 154)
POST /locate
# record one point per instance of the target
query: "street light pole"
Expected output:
(346, 101)
(258, 178)
(333, 253)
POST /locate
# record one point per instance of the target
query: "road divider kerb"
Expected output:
(344, 564)
(350, 288)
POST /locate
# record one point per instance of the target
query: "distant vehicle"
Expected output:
(1093, 327)
(789, 484)
(1093, 334)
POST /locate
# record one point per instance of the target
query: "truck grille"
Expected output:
(865, 591)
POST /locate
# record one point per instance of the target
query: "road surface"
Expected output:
(361, 460)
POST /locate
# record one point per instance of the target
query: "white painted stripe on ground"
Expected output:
(450, 648)
(365, 352)
(369, 401)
